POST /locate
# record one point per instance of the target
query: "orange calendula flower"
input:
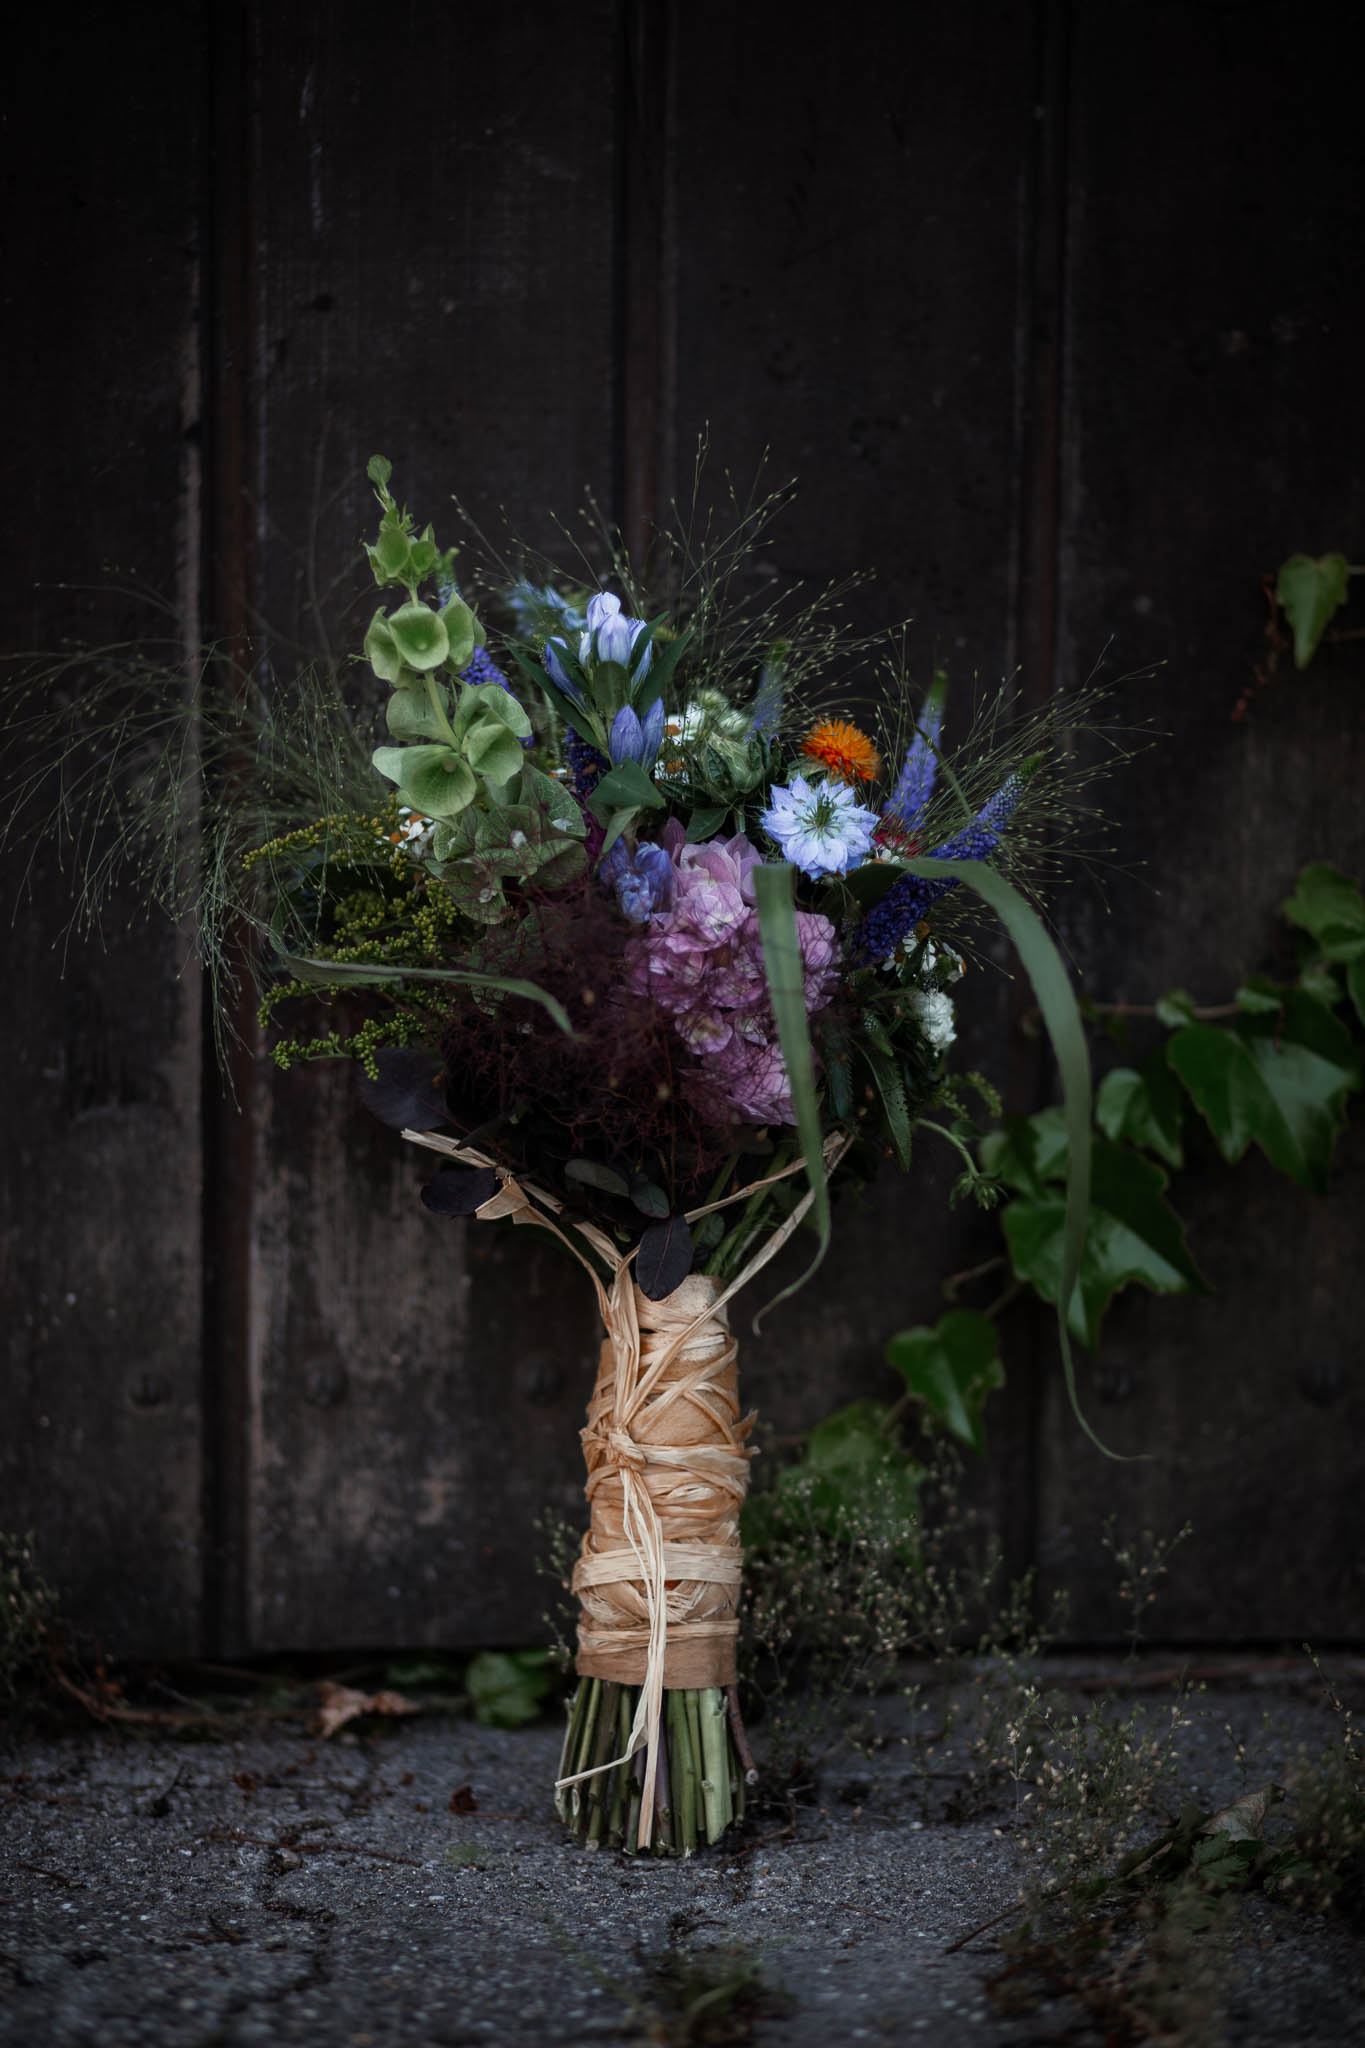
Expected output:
(838, 745)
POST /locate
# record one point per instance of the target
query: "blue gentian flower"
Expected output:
(611, 635)
(822, 830)
(632, 740)
(644, 880)
(557, 672)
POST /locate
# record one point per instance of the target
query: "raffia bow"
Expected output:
(667, 1456)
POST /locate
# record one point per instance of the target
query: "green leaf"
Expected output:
(434, 780)
(1052, 989)
(1175, 1008)
(1027, 1152)
(481, 703)
(1329, 906)
(855, 1479)
(492, 751)
(625, 787)
(379, 469)
(1143, 1108)
(410, 714)
(885, 1073)
(589, 1174)
(362, 974)
(1355, 982)
(1281, 1080)
(508, 1686)
(705, 822)
(1133, 1235)
(649, 1199)
(419, 636)
(951, 1368)
(1259, 997)
(462, 633)
(775, 896)
(381, 651)
(1310, 590)
(390, 558)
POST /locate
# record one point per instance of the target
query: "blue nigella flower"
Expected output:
(909, 799)
(644, 880)
(483, 669)
(823, 830)
(908, 900)
(630, 739)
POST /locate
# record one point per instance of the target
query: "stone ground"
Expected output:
(271, 1888)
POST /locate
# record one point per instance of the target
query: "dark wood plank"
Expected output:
(854, 261)
(100, 1177)
(1213, 410)
(440, 290)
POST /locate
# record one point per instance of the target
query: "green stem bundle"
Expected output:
(700, 1782)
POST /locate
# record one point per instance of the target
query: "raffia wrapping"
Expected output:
(668, 1464)
(664, 1417)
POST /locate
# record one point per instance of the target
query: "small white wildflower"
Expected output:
(934, 1012)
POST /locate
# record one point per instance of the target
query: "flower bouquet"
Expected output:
(647, 931)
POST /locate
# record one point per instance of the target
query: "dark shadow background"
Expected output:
(1055, 310)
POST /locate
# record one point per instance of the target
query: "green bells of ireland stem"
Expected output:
(478, 739)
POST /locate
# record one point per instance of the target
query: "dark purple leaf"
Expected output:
(460, 1190)
(664, 1259)
(409, 1093)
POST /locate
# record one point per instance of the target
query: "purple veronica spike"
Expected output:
(907, 901)
(906, 805)
(583, 762)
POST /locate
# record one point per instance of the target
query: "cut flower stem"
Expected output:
(699, 1780)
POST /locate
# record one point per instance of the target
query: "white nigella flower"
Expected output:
(933, 1011)
(822, 830)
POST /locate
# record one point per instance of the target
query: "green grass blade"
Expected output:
(775, 894)
(361, 974)
(1052, 987)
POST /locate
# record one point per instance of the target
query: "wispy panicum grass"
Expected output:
(154, 776)
(707, 570)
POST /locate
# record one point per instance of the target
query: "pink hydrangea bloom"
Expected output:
(701, 962)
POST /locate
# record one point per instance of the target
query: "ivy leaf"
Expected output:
(1133, 1235)
(664, 1258)
(1175, 1008)
(951, 1368)
(1279, 1079)
(1329, 906)
(1310, 590)
(508, 1686)
(1143, 1108)
(854, 1478)
(1027, 1152)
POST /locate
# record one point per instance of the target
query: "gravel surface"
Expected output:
(276, 1889)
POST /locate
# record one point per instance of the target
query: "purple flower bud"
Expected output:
(601, 608)
(558, 674)
(626, 739)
